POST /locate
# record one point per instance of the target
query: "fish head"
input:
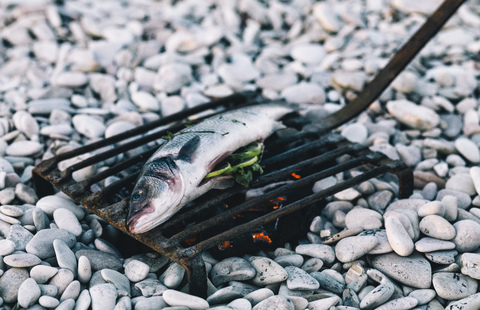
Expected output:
(156, 196)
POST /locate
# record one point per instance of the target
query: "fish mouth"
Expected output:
(134, 223)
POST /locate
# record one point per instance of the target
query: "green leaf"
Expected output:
(244, 178)
(169, 136)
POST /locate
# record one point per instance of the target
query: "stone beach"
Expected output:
(74, 72)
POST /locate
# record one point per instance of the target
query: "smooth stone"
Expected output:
(62, 279)
(325, 14)
(224, 295)
(136, 270)
(413, 115)
(100, 260)
(150, 303)
(413, 271)
(267, 271)
(240, 304)
(378, 296)
(277, 81)
(363, 218)
(308, 53)
(65, 256)
(304, 92)
(173, 276)
(398, 237)
(40, 219)
(28, 293)
(172, 77)
(330, 280)
(467, 237)
(405, 82)
(442, 257)
(65, 219)
(10, 282)
(475, 175)
(84, 300)
(399, 303)
(452, 286)
(72, 291)
(312, 264)
(70, 79)
(21, 260)
(120, 281)
(154, 261)
(470, 265)
(383, 245)
(275, 302)
(7, 247)
(471, 302)
(24, 148)
(42, 242)
(10, 210)
(463, 199)
(176, 298)
(258, 295)
(423, 296)
(48, 301)
(105, 246)
(150, 287)
(461, 182)
(7, 195)
(324, 303)
(238, 71)
(352, 248)
(342, 234)
(324, 252)
(145, 101)
(432, 208)
(231, 269)
(42, 273)
(48, 289)
(103, 296)
(349, 80)
(298, 279)
(427, 244)
(89, 126)
(468, 149)
(84, 272)
(437, 227)
(53, 202)
(295, 260)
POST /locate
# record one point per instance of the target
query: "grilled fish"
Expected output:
(175, 174)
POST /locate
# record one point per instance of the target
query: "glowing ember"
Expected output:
(225, 245)
(296, 176)
(261, 237)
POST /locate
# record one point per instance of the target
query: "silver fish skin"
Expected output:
(175, 174)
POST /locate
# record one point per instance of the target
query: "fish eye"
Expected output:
(138, 195)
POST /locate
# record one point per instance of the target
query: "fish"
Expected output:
(175, 174)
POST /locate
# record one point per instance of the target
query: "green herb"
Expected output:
(237, 121)
(241, 164)
(169, 136)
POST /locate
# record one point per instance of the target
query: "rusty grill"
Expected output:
(292, 161)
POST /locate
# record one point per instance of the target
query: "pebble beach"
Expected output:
(75, 72)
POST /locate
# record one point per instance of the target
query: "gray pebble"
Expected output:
(136, 270)
(67, 304)
(62, 279)
(352, 248)
(267, 271)
(258, 295)
(48, 301)
(100, 260)
(467, 235)
(452, 286)
(324, 303)
(275, 302)
(423, 296)
(300, 280)
(103, 296)
(176, 298)
(328, 282)
(150, 303)
(224, 295)
(324, 252)
(84, 272)
(436, 226)
(428, 244)
(65, 256)
(377, 296)
(231, 269)
(6, 247)
(43, 273)
(10, 282)
(28, 293)
(120, 281)
(21, 260)
(150, 287)
(65, 219)
(295, 260)
(72, 291)
(442, 257)
(471, 302)
(48, 290)
(414, 270)
(20, 236)
(83, 301)
(463, 199)
(42, 243)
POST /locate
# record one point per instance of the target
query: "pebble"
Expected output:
(136, 270)
(100, 260)
(103, 296)
(329, 280)
(461, 182)
(300, 280)
(121, 282)
(267, 271)
(41, 244)
(452, 286)
(24, 148)
(275, 302)
(42, 274)
(65, 256)
(176, 298)
(89, 126)
(7, 247)
(84, 272)
(10, 282)
(377, 296)
(304, 92)
(363, 218)
(324, 252)
(437, 227)
(469, 265)
(155, 302)
(352, 248)
(21, 260)
(427, 244)
(66, 219)
(308, 53)
(413, 271)
(232, 269)
(48, 301)
(412, 115)
(442, 257)
(84, 300)
(398, 237)
(51, 203)
(467, 235)
(28, 293)
(468, 303)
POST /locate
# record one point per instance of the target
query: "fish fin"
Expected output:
(223, 182)
(188, 150)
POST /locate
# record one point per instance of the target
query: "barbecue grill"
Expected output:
(294, 160)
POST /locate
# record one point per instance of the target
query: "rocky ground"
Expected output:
(73, 72)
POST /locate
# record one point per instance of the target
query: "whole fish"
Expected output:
(175, 174)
